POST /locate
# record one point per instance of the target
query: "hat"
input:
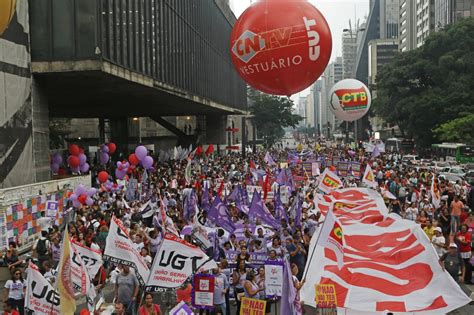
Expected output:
(438, 229)
(452, 245)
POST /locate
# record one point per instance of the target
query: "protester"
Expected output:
(221, 288)
(464, 239)
(149, 308)
(15, 290)
(453, 263)
(126, 290)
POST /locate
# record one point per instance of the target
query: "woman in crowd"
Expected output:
(149, 308)
(15, 290)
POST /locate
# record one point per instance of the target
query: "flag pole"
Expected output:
(317, 240)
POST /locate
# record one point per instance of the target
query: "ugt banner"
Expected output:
(175, 262)
(41, 297)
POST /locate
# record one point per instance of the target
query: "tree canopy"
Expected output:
(423, 89)
(272, 114)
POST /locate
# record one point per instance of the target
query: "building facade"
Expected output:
(450, 11)
(407, 27)
(425, 21)
(389, 18)
(381, 52)
(349, 51)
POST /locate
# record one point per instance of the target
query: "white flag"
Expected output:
(331, 236)
(92, 258)
(328, 181)
(175, 262)
(119, 249)
(41, 297)
(80, 278)
(369, 178)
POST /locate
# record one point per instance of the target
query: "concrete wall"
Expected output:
(40, 134)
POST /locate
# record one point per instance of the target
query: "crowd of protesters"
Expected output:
(406, 189)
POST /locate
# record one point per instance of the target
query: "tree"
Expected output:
(272, 114)
(425, 88)
(457, 130)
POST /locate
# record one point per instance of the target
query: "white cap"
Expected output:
(438, 229)
(453, 245)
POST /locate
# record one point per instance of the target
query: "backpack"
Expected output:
(41, 248)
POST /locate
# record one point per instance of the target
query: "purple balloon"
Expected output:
(55, 168)
(57, 158)
(76, 170)
(76, 204)
(85, 168)
(80, 190)
(73, 197)
(104, 148)
(147, 162)
(141, 152)
(89, 201)
(120, 174)
(82, 159)
(91, 192)
(104, 157)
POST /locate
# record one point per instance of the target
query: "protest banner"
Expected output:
(329, 181)
(41, 297)
(175, 262)
(203, 291)
(92, 258)
(355, 169)
(343, 169)
(119, 249)
(259, 189)
(273, 278)
(250, 306)
(325, 296)
(256, 259)
(315, 169)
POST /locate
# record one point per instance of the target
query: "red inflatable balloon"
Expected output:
(82, 199)
(73, 161)
(281, 47)
(74, 149)
(103, 176)
(112, 147)
(132, 158)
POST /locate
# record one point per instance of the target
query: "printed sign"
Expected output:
(315, 169)
(325, 296)
(256, 259)
(41, 297)
(52, 207)
(203, 286)
(251, 189)
(273, 279)
(343, 169)
(252, 306)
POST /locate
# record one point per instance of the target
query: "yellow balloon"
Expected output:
(7, 9)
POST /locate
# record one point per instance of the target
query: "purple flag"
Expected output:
(239, 199)
(299, 211)
(260, 211)
(189, 206)
(282, 178)
(280, 211)
(376, 151)
(269, 160)
(219, 215)
(288, 299)
(234, 195)
(205, 199)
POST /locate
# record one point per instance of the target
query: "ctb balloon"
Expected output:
(349, 100)
(281, 47)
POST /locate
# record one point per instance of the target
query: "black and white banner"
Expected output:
(119, 249)
(92, 258)
(175, 262)
(41, 297)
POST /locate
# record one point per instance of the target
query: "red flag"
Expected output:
(198, 150)
(210, 149)
(252, 165)
(265, 186)
(221, 188)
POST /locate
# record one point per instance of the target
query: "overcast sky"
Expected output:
(337, 14)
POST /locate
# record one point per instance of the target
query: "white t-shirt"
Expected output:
(16, 289)
(138, 246)
(440, 240)
(44, 223)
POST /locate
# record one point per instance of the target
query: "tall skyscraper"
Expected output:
(301, 109)
(381, 52)
(450, 11)
(334, 73)
(349, 51)
(407, 27)
(388, 19)
(424, 20)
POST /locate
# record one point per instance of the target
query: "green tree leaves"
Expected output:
(272, 114)
(426, 88)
